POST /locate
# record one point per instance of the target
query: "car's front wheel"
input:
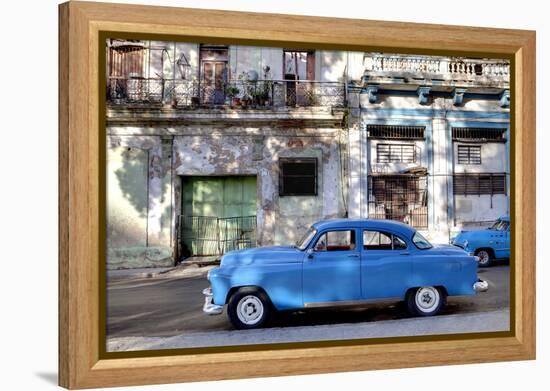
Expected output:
(249, 308)
(485, 257)
(426, 300)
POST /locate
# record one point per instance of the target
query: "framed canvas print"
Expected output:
(247, 195)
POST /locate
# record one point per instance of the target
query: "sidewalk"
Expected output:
(445, 324)
(180, 270)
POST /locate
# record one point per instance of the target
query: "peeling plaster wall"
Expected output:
(144, 188)
(281, 220)
(139, 201)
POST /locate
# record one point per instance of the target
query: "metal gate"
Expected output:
(208, 235)
(401, 197)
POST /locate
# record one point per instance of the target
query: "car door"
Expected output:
(386, 264)
(331, 269)
(502, 240)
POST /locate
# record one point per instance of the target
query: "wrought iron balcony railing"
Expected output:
(239, 93)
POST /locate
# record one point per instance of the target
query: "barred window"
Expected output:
(479, 134)
(479, 184)
(401, 197)
(469, 154)
(396, 132)
(297, 176)
(395, 153)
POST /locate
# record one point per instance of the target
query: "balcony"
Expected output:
(244, 94)
(436, 71)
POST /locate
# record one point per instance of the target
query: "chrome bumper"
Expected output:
(481, 286)
(209, 307)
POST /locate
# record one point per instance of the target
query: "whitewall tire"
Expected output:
(249, 308)
(426, 300)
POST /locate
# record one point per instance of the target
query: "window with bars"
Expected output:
(401, 197)
(479, 184)
(396, 132)
(395, 153)
(479, 134)
(469, 154)
(297, 176)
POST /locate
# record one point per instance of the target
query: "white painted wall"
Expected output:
(493, 158)
(473, 208)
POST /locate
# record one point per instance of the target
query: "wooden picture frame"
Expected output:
(83, 364)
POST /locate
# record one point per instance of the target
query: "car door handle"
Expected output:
(353, 255)
(405, 253)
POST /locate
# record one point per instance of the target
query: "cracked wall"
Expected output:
(144, 184)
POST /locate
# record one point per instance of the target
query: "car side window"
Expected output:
(398, 243)
(377, 240)
(336, 241)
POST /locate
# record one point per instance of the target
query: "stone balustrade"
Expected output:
(452, 69)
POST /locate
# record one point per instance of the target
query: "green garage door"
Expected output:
(218, 214)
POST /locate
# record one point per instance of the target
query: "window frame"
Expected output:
(468, 148)
(396, 132)
(282, 176)
(387, 233)
(353, 239)
(478, 134)
(401, 153)
(467, 191)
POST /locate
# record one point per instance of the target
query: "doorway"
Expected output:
(218, 214)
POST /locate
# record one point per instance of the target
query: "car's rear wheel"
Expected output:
(485, 257)
(249, 308)
(426, 300)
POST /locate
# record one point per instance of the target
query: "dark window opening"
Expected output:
(400, 197)
(297, 176)
(396, 132)
(479, 184)
(479, 134)
(395, 153)
(469, 154)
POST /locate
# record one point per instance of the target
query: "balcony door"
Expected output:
(299, 71)
(213, 74)
(125, 61)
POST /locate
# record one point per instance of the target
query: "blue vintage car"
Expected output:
(339, 263)
(488, 244)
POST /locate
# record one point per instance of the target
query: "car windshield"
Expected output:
(304, 241)
(499, 225)
(420, 241)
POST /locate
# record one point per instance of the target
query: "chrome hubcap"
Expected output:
(483, 257)
(250, 310)
(427, 299)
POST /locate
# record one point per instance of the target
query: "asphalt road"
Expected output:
(164, 307)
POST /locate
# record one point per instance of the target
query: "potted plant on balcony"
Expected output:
(248, 89)
(267, 87)
(231, 93)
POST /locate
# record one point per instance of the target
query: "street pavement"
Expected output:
(170, 305)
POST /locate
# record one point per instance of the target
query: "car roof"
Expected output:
(391, 225)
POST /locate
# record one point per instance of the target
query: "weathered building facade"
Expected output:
(212, 148)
